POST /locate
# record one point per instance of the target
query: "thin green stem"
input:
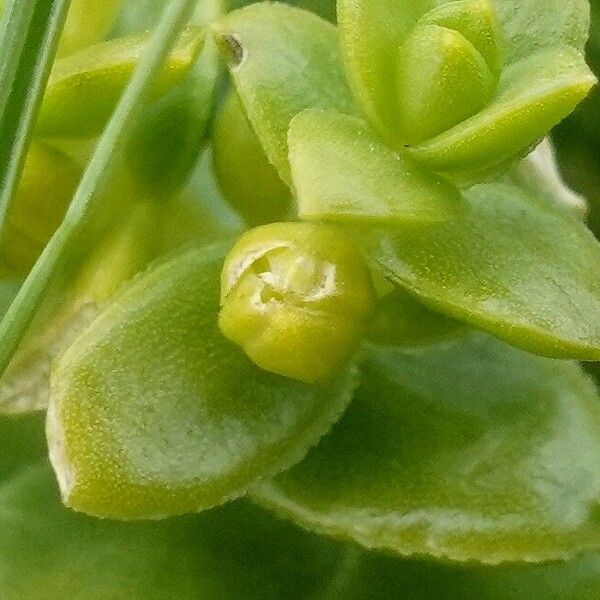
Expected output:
(95, 178)
(28, 42)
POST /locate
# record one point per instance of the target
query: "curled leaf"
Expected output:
(534, 95)
(442, 80)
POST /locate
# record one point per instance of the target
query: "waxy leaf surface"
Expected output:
(532, 25)
(371, 33)
(341, 171)
(511, 264)
(50, 552)
(154, 413)
(470, 450)
(282, 61)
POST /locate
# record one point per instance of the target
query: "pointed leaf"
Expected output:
(282, 60)
(178, 419)
(49, 552)
(471, 450)
(511, 264)
(342, 172)
(371, 33)
(534, 96)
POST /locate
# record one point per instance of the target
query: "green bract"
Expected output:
(178, 419)
(296, 297)
(470, 450)
(84, 88)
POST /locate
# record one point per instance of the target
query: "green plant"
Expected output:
(388, 361)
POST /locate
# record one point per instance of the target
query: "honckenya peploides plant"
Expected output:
(301, 298)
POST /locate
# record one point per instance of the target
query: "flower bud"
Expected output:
(295, 297)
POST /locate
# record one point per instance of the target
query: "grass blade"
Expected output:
(28, 42)
(97, 174)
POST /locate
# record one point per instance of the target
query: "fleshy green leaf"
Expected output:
(533, 25)
(178, 419)
(84, 88)
(342, 172)
(436, 67)
(511, 264)
(238, 552)
(534, 95)
(377, 577)
(371, 34)
(471, 450)
(544, 78)
(282, 60)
